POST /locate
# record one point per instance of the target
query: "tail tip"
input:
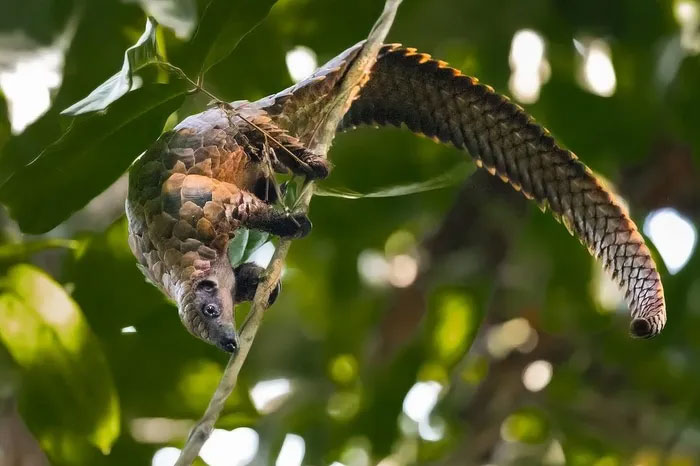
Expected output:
(641, 328)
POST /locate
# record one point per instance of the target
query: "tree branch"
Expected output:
(348, 88)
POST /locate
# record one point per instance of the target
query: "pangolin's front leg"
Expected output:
(248, 210)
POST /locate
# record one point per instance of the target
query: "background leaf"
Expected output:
(256, 239)
(83, 70)
(244, 243)
(142, 53)
(236, 247)
(91, 155)
(45, 333)
(13, 252)
(221, 28)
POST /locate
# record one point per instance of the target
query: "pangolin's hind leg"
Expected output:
(291, 152)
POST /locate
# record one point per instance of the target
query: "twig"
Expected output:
(353, 79)
(225, 106)
(320, 144)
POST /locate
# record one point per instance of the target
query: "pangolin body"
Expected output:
(190, 225)
(190, 192)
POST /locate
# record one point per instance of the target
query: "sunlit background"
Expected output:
(452, 327)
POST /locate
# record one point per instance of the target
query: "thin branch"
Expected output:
(353, 79)
(320, 144)
(225, 106)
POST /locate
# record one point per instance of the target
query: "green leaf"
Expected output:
(528, 425)
(15, 252)
(136, 57)
(222, 26)
(291, 194)
(256, 239)
(236, 248)
(94, 152)
(83, 70)
(109, 308)
(456, 324)
(67, 392)
(244, 243)
(457, 174)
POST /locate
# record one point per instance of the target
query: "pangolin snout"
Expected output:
(229, 342)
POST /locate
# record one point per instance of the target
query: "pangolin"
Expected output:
(191, 191)
(188, 195)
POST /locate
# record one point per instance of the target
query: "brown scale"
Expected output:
(190, 192)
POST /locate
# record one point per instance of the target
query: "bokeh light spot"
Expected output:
(403, 271)
(28, 86)
(373, 268)
(159, 429)
(687, 13)
(432, 430)
(230, 448)
(399, 242)
(527, 426)
(268, 395)
(343, 368)
(597, 71)
(512, 334)
(301, 62)
(292, 451)
(673, 235)
(165, 456)
(455, 322)
(421, 399)
(528, 64)
(537, 375)
(343, 406)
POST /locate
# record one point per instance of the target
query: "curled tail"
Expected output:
(406, 87)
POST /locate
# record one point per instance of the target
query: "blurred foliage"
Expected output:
(4, 122)
(353, 349)
(63, 367)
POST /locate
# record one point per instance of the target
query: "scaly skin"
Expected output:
(190, 192)
(428, 97)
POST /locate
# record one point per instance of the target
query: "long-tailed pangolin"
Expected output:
(199, 183)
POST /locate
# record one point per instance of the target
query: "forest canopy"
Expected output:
(433, 315)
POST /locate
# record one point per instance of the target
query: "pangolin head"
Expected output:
(206, 303)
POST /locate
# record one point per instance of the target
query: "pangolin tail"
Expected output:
(410, 88)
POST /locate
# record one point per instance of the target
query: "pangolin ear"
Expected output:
(207, 286)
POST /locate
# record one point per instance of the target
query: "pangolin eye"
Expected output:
(206, 285)
(211, 310)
